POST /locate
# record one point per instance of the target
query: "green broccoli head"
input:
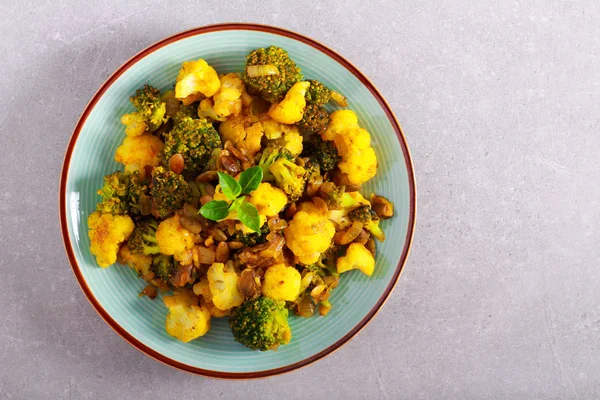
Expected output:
(253, 238)
(325, 154)
(317, 94)
(314, 120)
(333, 195)
(148, 104)
(143, 238)
(195, 140)
(365, 214)
(271, 87)
(121, 193)
(270, 154)
(289, 177)
(186, 111)
(261, 324)
(163, 267)
(169, 191)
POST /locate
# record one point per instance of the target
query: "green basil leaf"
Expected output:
(248, 214)
(215, 210)
(235, 205)
(230, 187)
(250, 179)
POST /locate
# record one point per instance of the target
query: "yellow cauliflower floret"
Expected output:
(292, 140)
(207, 110)
(173, 238)
(340, 121)
(281, 282)
(106, 233)
(268, 200)
(251, 144)
(291, 108)
(353, 144)
(357, 257)
(223, 287)
(228, 98)
(138, 151)
(273, 129)
(186, 319)
(202, 288)
(309, 233)
(196, 77)
(135, 124)
(360, 166)
(234, 128)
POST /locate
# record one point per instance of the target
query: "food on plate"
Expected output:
(240, 198)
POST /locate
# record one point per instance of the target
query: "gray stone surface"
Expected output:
(500, 104)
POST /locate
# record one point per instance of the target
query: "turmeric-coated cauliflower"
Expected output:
(268, 199)
(186, 319)
(309, 233)
(138, 151)
(140, 263)
(281, 282)
(107, 232)
(227, 100)
(353, 144)
(291, 108)
(243, 133)
(172, 238)
(196, 77)
(135, 124)
(223, 287)
(357, 257)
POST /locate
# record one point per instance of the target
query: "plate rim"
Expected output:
(63, 200)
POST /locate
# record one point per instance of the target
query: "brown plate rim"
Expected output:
(63, 205)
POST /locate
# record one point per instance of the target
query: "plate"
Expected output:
(113, 292)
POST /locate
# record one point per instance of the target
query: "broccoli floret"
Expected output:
(261, 324)
(253, 238)
(289, 177)
(143, 237)
(195, 140)
(169, 191)
(334, 195)
(186, 111)
(269, 155)
(314, 120)
(365, 214)
(163, 267)
(324, 153)
(121, 193)
(317, 94)
(272, 87)
(150, 107)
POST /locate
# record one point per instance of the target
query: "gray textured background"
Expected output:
(499, 101)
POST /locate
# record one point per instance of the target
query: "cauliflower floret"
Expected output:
(357, 257)
(339, 122)
(138, 151)
(206, 110)
(292, 140)
(309, 233)
(234, 128)
(172, 238)
(202, 288)
(291, 108)
(227, 99)
(107, 232)
(251, 144)
(281, 282)
(360, 166)
(244, 134)
(196, 78)
(135, 124)
(186, 319)
(353, 144)
(223, 287)
(268, 200)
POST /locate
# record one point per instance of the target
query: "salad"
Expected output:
(240, 198)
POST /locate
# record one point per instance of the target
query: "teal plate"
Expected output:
(114, 291)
